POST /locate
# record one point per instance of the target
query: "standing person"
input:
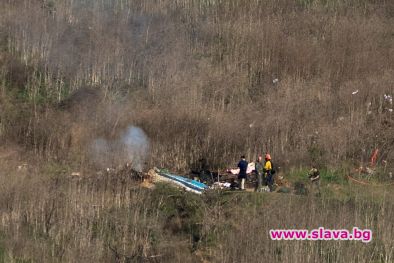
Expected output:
(259, 166)
(268, 174)
(314, 177)
(243, 166)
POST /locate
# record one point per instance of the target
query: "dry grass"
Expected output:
(199, 77)
(203, 73)
(49, 216)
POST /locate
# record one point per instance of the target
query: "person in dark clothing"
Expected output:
(314, 177)
(259, 167)
(243, 166)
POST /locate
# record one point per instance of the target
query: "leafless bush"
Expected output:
(303, 80)
(47, 215)
(217, 66)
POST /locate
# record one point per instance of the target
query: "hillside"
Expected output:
(88, 86)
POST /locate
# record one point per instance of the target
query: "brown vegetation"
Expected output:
(209, 78)
(48, 216)
(195, 75)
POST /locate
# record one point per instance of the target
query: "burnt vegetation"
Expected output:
(302, 79)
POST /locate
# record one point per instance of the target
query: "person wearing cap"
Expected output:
(268, 171)
(259, 166)
(243, 166)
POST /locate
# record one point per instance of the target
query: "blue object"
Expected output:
(243, 166)
(193, 184)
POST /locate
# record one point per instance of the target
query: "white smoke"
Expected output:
(136, 145)
(132, 148)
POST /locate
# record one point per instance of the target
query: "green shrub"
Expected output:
(3, 252)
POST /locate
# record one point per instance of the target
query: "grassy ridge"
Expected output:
(107, 218)
(301, 79)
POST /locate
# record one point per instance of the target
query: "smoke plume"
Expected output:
(131, 147)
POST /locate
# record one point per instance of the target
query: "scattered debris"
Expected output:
(250, 169)
(358, 181)
(22, 167)
(110, 170)
(201, 172)
(161, 175)
(147, 184)
(282, 182)
(364, 170)
(274, 81)
(374, 157)
(369, 104)
(388, 98)
(219, 185)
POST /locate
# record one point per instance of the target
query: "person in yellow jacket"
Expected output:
(268, 174)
